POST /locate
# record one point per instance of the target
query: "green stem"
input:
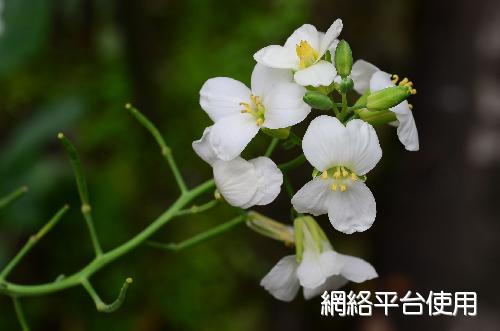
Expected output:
(13, 196)
(198, 209)
(32, 241)
(81, 184)
(202, 236)
(100, 305)
(108, 257)
(165, 150)
(271, 147)
(20, 314)
(299, 160)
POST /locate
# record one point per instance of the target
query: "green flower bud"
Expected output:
(277, 133)
(318, 100)
(270, 228)
(343, 59)
(346, 84)
(387, 98)
(298, 225)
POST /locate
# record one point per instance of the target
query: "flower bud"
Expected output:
(387, 98)
(343, 59)
(318, 100)
(346, 84)
(270, 228)
(277, 133)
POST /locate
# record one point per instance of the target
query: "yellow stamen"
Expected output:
(404, 82)
(395, 79)
(344, 172)
(354, 177)
(337, 174)
(334, 187)
(324, 174)
(410, 106)
(413, 91)
(259, 121)
(343, 188)
(246, 107)
(306, 54)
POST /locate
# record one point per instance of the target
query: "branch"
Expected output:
(82, 190)
(290, 165)
(198, 209)
(13, 196)
(165, 150)
(271, 147)
(202, 236)
(32, 241)
(104, 307)
(20, 314)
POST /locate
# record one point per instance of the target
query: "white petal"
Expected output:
(268, 180)
(356, 270)
(235, 180)
(264, 78)
(221, 97)
(282, 281)
(407, 129)
(285, 106)
(353, 210)
(380, 80)
(326, 143)
(322, 73)
(230, 135)
(333, 49)
(278, 57)
(331, 284)
(306, 32)
(361, 74)
(313, 197)
(309, 271)
(331, 34)
(365, 148)
(203, 148)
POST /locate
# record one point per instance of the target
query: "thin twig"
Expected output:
(198, 209)
(100, 305)
(271, 147)
(20, 314)
(13, 196)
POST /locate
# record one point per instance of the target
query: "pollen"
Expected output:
(334, 187)
(306, 54)
(343, 188)
(404, 82)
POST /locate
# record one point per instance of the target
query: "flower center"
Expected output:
(404, 82)
(342, 177)
(306, 54)
(255, 108)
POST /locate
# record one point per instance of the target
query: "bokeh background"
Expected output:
(70, 65)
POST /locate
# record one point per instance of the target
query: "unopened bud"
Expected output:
(270, 228)
(282, 133)
(318, 100)
(346, 84)
(387, 98)
(343, 59)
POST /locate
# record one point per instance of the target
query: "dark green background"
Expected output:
(71, 65)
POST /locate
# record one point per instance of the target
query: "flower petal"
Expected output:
(365, 148)
(221, 97)
(332, 283)
(326, 143)
(203, 148)
(278, 57)
(330, 36)
(268, 179)
(306, 32)
(322, 73)
(264, 78)
(230, 135)
(353, 210)
(285, 106)
(361, 74)
(380, 80)
(356, 270)
(313, 197)
(309, 271)
(407, 129)
(235, 180)
(333, 50)
(282, 281)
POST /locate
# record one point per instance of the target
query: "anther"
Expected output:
(410, 106)
(337, 174)
(259, 121)
(344, 172)
(354, 177)
(324, 174)
(403, 82)
(395, 79)
(343, 188)
(334, 187)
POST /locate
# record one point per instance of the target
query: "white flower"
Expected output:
(321, 269)
(344, 155)
(242, 183)
(302, 53)
(367, 77)
(274, 102)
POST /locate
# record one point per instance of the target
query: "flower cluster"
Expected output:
(308, 72)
